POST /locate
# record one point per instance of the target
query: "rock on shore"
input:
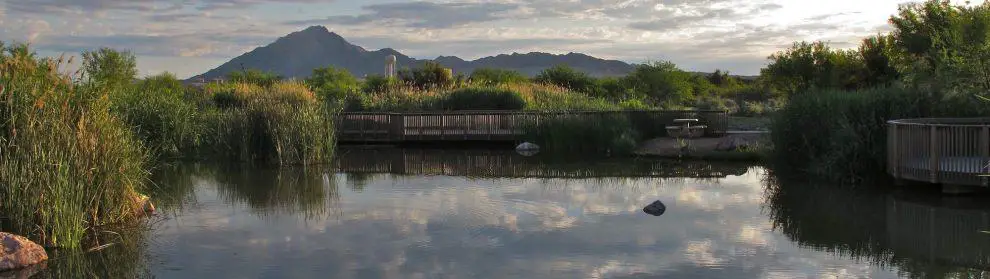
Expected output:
(17, 252)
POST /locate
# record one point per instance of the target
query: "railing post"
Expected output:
(933, 154)
(984, 153)
(893, 151)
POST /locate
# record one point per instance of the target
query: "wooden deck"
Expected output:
(939, 151)
(501, 125)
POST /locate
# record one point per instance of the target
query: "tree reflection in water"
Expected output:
(930, 237)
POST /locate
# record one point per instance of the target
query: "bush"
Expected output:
(482, 98)
(332, 84)
(494, 77)
(67, 163)
(430, 75)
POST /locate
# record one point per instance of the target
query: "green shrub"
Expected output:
(494, 77)
(254, 76)
(430, 75)
(332, 84)
(482, 98)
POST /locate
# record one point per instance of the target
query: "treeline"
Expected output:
(433, 87)
(935, 63)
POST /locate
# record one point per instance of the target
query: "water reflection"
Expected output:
(493, 163)
(485, 214)
(920, 234)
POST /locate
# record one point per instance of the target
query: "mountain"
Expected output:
(297, 54)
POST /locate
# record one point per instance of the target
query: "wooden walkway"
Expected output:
(501, 125)
(947, 151)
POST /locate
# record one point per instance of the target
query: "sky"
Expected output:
(189, 37)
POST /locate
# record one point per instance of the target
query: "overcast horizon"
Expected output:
(189, 37)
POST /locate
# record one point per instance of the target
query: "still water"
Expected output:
(485, 214)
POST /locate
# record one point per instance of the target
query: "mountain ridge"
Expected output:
(295, 56)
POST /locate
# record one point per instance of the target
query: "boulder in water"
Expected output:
(17, 252)
(528, 146)
(656, 208)
(527, 149)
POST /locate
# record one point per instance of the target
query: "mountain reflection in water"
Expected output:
(405, 213)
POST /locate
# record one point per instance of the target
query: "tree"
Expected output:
(945, 46)
(567, 77)
(814, 65)
(112, 69)
(662, 83)
(878, 53)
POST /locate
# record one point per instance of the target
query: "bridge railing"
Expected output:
(939, 150)
(502, 125)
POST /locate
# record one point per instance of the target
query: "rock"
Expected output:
(527, 149)
(17, 252)
(732, 144)
(656, 208)
(527, 146)
(142, 204)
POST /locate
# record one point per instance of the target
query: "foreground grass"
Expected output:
(67, 164)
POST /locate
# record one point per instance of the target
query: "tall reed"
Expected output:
(67, 164)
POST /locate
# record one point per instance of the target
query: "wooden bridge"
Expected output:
(508, 164)
(503, 125)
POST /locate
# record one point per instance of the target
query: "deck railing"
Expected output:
(939, 150)
(501, 125)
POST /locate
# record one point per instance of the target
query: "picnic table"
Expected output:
(685, 129)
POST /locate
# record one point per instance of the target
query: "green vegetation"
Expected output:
(933, 64)
(76, 150)
(568, 133)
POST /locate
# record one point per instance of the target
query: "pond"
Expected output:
(401, 213)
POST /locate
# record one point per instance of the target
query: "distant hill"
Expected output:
(297, 54)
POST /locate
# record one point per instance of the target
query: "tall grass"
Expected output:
(67, 164)
(607, 134)
(507, 96)
(283, 124)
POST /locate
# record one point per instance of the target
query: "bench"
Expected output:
(685, 129)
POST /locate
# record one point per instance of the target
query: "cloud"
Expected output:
(85, 6)
(421, 14)
(184, 45)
